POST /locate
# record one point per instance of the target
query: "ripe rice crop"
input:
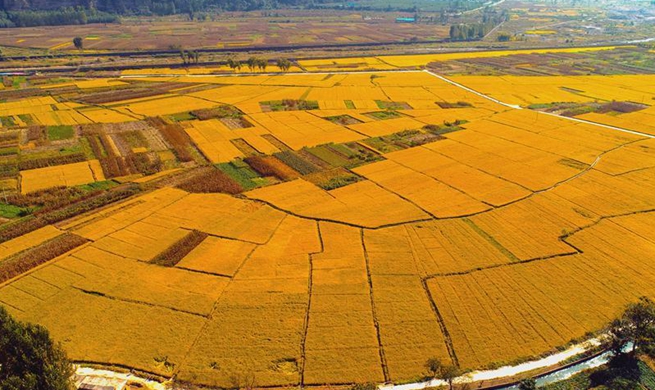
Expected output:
(271, 166)
(203, 257)
(347, 249)
(68, 174)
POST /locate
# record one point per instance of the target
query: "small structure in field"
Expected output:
(405, 20)
(91, 382)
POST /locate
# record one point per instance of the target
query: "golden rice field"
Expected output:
(391, 218)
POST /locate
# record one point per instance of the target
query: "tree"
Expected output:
(448, 374)
(283, 64)
(252, 63)
(364, 386)
(636, 326)
(30, 360)
(262, 64)
(78, 42)
(234, 64)
(528, 384)
(433, 365)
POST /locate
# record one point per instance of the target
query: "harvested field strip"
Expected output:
(276, 142)
(211, 181)
(244, 147)
(30, 224)
(26, 164)
(176, 252)
(33, 257)
(28, 240)
(271, 166)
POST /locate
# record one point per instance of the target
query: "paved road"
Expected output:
(517, 107)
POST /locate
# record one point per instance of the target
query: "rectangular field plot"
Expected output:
(62, 175)
(341, 344)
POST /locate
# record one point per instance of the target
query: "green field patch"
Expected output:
(447, 127)
(383, 115)
(343, 120)
(62, 132)
(7, 121)
(297, 162)
(386, 105)
(98, 186)
(8, 151)
(27, 118)
(241, 172)
(182, 116)
(10, 211)
(333, 178)
(289, 105)
(328, 154)
(402, 140)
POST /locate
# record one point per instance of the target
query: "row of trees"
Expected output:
(64, 16)
(258, 63)
(150, 7)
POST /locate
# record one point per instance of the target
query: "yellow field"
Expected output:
(388, 62)
(367, 234)
(62, 175)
